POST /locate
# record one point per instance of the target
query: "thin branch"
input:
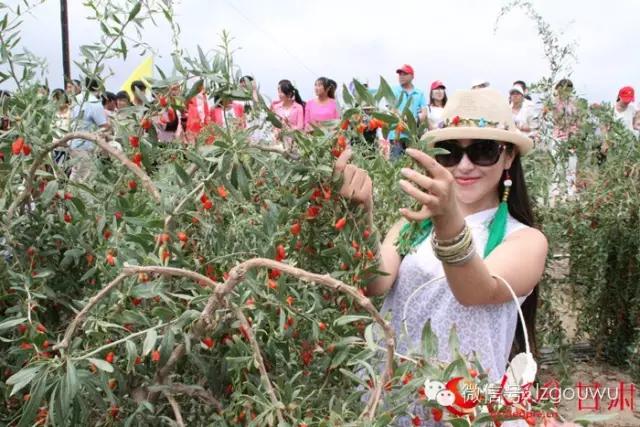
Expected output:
(176, 409)
(257, 355)
(102, 143)
(162, 373)
(121, 340)
(274, 149)
(126, 272)
(64, 344)
(169, 219)
(169, 271)
(137, 171)
(11, 65)
(189, 390)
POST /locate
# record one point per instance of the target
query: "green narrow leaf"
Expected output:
(274, 120)
(132, 353)
(43, 274)
(243, 182)
(89, 274)
(481, 420)
(368, 336)
(352, 376)
(68, 389)
(281, 320)
(457, 366)
(167, 345)
(22, 378)
(203, 58)
(409, 118)
(161, 73)
(346, 96)
(49, 191)
(363, 93)
(10, 323)
(149, 342)
(458, 422)
(349, 318)
(182, 174)
(429, 341)
(103, 365)
(104, 28)
(386, 92)
(194, 89)
(340, 357)
(123, 48)
(37, 393)
(135, 10)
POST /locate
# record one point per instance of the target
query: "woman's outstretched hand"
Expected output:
(356, 184)
(434, 190)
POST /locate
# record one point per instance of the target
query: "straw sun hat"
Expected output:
(479, 114)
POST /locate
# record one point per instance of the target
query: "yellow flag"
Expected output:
(145, 69)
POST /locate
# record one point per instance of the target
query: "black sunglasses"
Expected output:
(482, 152)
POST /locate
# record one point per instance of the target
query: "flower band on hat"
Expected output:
(479, 114)
(465, 122)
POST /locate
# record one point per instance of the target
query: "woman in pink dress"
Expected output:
(324, 107)
(289, 107)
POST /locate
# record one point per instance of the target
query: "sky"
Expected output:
(449, 40)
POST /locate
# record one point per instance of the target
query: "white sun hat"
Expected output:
(479, 114)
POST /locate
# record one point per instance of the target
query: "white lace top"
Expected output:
(486, 329)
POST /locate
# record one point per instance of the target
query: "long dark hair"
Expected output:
(520, 208)
(444, 100)
(329, 86)
(290, 91)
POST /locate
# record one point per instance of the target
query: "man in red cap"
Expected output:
(624, 109)
(404, 92)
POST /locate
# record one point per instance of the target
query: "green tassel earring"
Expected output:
(498, 226)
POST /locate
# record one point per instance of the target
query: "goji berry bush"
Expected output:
(220, 281)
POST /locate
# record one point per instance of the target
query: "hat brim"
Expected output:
(627, 99)
(520, 140)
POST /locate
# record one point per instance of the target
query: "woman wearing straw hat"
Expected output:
(476, 232)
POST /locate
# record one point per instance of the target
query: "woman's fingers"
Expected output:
(424, 182)
(420, 196)
(434, 168)
(420, 215)
(356, 183)
(358, 180)
(342, 162)
(365, 191)
(348, 174)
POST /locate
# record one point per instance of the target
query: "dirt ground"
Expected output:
(591, 372)
(588, 374)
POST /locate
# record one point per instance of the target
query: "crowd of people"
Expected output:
(95, 109)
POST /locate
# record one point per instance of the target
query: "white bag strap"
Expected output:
(520, 314)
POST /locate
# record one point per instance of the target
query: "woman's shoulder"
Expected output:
(520, 231)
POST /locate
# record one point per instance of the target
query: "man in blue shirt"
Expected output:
(404, 92)
(89, 116)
